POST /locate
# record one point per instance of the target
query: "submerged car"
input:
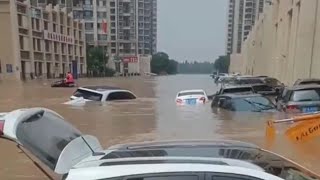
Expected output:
(307, 81)
(191, 97)
(300, 99)
(73, 155)
(102, 93)
(243, 103)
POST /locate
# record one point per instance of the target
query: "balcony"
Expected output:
(37, 34)
(48, 57)
(21, 9)
(25, 55)
(23, 31)
(38, 56)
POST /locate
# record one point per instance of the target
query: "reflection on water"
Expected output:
(153, 116)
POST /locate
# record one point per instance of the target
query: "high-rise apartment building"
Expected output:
(39, 42)
(126, 29)
(242, 15)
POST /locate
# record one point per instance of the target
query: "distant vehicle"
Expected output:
(307, 81)
(243, 103)
(102, 93)
(235, 89)
(73, 155)
(191, 97)
(300, 99)
(264, 89)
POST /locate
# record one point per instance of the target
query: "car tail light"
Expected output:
(1, 127)
(203, 99)
(179, 100)
(293, 108)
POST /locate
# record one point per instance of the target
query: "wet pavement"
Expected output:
(153, 116)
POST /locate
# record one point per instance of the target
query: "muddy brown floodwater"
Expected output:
(153, 116)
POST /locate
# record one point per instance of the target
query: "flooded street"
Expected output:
(153, 116)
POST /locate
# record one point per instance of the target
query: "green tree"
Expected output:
(160, 64)
(96, 62)
(222, 64)
(172, 67)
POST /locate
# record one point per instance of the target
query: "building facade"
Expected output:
(126, 29)
(39, 43)
(284, 42)
(241, 16)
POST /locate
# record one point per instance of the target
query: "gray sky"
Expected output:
(192, 29)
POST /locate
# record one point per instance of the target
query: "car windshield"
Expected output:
(191, 93)
(88, 95)
(45, 135)
(237, 90)
(306, 95)
(252, 104)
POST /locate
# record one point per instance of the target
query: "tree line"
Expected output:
(160, 64)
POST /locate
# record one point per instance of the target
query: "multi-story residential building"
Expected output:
(39, 42)
(126, 29)
(242, 15)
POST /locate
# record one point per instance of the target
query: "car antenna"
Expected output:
(93, 152)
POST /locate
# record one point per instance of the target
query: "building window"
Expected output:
(0, 67)
(113, 37)
(112, 4)
(54, 28)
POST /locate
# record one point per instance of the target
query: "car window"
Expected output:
(87, 95)
(191, 93)
(120, 96)
(249, 81)
(237, 90)
(306, 95)
(167, 178)
(309, 82)
(262, 88)
(252, 104)
(233, 177)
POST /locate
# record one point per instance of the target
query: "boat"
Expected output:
(62, 83)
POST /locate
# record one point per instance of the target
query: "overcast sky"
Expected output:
(192, 29)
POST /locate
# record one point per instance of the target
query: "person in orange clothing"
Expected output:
(69, 79)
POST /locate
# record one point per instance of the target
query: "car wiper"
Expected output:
(257, 104)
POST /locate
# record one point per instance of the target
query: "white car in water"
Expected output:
(100, 93)
(75, 156)
(191, 97)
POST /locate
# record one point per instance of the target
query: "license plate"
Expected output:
(310, 109)
(191, 101)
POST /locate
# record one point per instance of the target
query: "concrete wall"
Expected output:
(237, 63)
(8, 49)
(285, 41)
